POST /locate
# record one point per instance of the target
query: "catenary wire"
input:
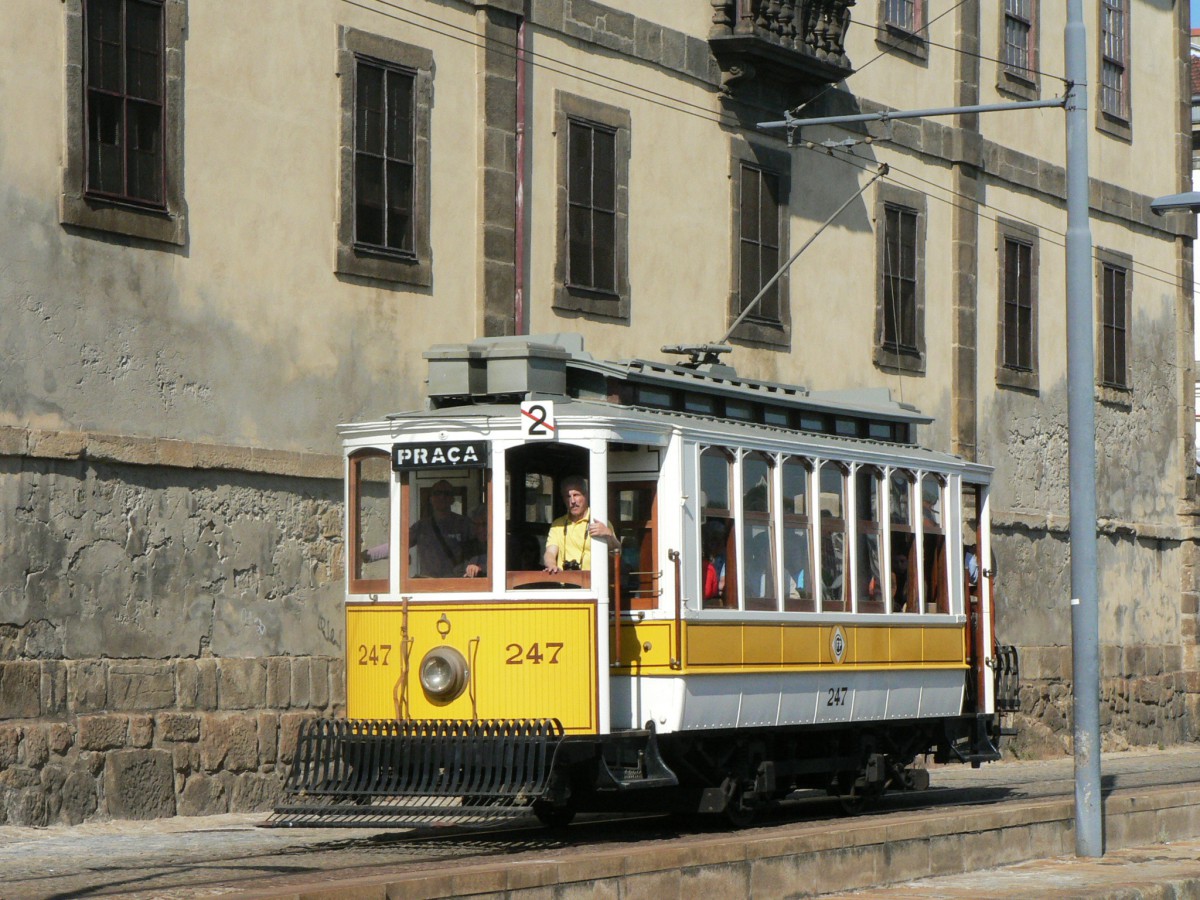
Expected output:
(675, 104)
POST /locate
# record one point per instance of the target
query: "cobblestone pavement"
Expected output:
(230, 854)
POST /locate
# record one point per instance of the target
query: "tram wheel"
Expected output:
(553, 816)
(738, 812)
(851, 796)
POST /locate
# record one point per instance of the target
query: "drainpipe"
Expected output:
(520, 324)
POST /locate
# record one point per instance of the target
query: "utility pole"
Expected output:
(1081, 456)
(1081, 409)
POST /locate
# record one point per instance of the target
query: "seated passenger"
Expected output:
(713, 535)
(444, 539)
(477, 565)
(569, 543)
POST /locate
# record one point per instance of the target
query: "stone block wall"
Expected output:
(169, 613)
(139, 739)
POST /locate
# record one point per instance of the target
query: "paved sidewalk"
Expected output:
(1157, 871)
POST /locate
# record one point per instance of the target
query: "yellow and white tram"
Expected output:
(795, 601)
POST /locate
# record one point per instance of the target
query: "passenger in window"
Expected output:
(445, 540)
(569, 543)
(714, 559)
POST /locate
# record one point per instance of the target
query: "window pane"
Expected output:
(579, 164)
(797, 581)
(931, 503)
(604, 182)
(368, 195)
(714, 480)
(369, 132)
(756, 485)
(105, 136)
(447, 517)
(579, 260)
(760, 567)
(604, 233)
(795, 488)
(399, 205)
(145, 152)
(144, 51)
(400, 116)
(750, 203)
(104, 44)
(372, 516)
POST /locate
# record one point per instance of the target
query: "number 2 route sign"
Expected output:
(537, 420)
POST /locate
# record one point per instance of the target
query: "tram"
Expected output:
(577, 585)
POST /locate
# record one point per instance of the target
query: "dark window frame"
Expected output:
(389, 152)
(1114, 315)
(1114, 103)
(1020, 372)
(759, 328)
(411, 264)
(572, 293)
(903, 352)
(1019, 78)
(901, 32)
(85, 202)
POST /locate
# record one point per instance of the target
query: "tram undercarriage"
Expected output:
(356, 773)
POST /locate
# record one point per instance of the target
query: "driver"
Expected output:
(569, 543)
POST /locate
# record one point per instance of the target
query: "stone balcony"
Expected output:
(790, 43)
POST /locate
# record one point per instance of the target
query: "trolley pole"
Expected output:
(1081, 458)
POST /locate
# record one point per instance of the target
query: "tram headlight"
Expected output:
(444, 673)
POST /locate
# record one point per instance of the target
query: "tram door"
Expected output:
(633, 512)
(973, 593)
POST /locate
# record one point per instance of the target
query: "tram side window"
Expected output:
(832, 501)
(869, 583)
(798, 589)
(718, 574)
(902, 538)
(445, 525)
(757, 518)
(370, 521)
(937, 595)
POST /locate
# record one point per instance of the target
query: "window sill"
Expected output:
(98, 215)
(569, 298)
(896, 38)
(1120, 127)
(365, 263)
(910, 362)
(1110, 395)
(1014, 84)
(1016, 379)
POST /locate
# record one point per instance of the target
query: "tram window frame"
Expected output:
(935, 566)
(831, 527)
(797, 523)
(868, 519)
(728, 594)
(762, 523)
(904, 526)
(356, 538)
(423, 481)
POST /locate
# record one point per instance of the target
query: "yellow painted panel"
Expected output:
(906, 645)
(762, 645)
(713, 645)
(526, 661)
(801, 645)
(945, 645)
(645, 645)
(872, 646)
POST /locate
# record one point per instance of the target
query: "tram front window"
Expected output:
(539, 481)
(444, 524)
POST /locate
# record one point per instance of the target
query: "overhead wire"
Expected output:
(548, 63)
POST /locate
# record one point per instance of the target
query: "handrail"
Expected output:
(616, 581)
(677, 661)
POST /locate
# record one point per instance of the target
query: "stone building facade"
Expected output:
(199, 284)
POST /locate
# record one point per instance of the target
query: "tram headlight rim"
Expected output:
(443, 674)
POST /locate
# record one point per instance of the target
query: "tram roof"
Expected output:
(555, 366)
(580, 414)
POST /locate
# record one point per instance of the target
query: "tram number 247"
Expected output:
(377, 654)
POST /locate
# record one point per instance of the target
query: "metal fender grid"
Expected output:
(354, 772)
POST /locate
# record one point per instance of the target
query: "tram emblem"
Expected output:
(837, 644)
